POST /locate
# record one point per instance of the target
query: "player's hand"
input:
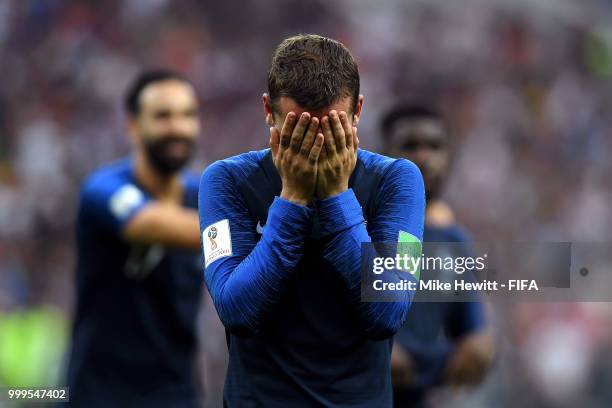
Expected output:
(295, 150)
(469, 363)
(338, 158)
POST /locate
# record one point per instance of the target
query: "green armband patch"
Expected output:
(409, 248)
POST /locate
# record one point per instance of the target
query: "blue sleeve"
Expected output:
(400, 206)
(110, 202)
(248, 277)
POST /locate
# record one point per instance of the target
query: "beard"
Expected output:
(160, 155)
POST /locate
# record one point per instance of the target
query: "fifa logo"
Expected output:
(212, 234)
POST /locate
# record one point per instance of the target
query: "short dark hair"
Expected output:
(407, 111)
(314, 71)
(145, 78)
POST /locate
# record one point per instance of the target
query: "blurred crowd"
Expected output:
(526, 87)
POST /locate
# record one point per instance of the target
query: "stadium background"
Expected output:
(526, 86)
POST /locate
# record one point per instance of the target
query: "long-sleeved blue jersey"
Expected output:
(286, 280)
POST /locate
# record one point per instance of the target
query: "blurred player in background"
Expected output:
(440, 343)
(139, 282)
(282, 230)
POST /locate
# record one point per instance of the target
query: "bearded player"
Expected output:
(288, 225)
(138, 279)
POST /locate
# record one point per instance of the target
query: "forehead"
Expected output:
(171, 93)
(418, 128)
(287, 104)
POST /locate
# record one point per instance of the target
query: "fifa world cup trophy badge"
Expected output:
(212, 234)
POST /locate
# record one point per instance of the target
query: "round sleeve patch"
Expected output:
(125, 200)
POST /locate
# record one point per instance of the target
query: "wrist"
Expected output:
(339, 213)
(295, 198)
(333, 192)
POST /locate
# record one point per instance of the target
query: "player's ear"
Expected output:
(358, 108)
(268, 109)
(132, 129)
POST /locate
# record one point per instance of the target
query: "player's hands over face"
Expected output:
(295, 150)
(337, 160)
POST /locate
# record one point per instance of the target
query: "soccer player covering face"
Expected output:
(440, 343)
(139, 282)
(282, 230)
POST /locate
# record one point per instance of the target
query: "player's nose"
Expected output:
(180, 126)
(422, 155)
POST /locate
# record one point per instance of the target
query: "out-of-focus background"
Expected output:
(526, 86)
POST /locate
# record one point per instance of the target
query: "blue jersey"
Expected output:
(432, 327)
(285, 280)
(134, 337)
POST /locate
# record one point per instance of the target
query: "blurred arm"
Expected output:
(121, 207)
(165, 224)
(474, 349)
